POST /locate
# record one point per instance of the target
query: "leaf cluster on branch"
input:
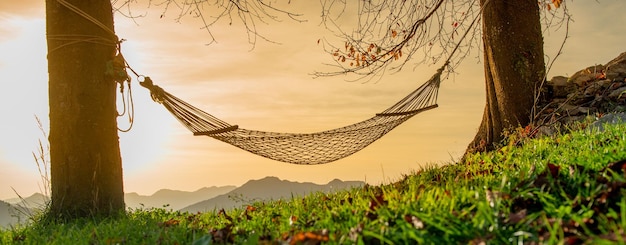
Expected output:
(390, 32)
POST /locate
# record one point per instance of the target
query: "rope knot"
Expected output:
(156, 92)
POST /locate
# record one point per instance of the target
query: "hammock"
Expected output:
(301, 148)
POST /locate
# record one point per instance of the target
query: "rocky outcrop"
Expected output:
(594, 91)
(611, 118)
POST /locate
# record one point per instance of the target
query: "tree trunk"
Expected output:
(514, 66)
(86, 166)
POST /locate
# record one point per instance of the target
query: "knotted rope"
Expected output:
(116, 68)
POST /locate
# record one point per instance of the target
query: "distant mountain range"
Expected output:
(7, 214)
(36, 200)
(269, 188)
(174, 200)
(11, 214)
(204, 199)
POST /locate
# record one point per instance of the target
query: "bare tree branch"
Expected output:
(551, 19)
(249, 13)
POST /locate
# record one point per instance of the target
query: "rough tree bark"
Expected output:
(514, 66)
(86, 167)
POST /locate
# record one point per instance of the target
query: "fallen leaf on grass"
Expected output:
(554, 170)
(612, 236)
(515, 218)
(550, 173)
(193, 217)
(491, 197)
(246, 213)
(309, 237)
(573, 240)
(619, 166)
(375, 203)
(355, 232)
(276, 218)
(115, 241)
(478, 241)
(416, 222)
(222, 212)
(292, 220)
(223, 235)
(169, 223)
(19, 238)
(344, 201)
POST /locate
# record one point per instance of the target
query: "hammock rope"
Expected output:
(301, 148)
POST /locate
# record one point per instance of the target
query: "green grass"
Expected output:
(564, 189)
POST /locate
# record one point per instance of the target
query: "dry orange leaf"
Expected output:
(169, 223)
(310, 237)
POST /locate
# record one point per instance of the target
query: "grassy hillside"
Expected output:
(563, 189)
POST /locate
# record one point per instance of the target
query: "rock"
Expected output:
(558, 81)
(574, 110)
(573, 119)
(604, 83)
(612, 118)
(597, 101)
(578, 98)
(593, 89)
(573, 95)
(616, 85)
(546, 131)
(615, 76)
(616, 68)
(618, 93)
(584, 110)
(567, 107)
(617, 65)
(560, 87)
(582, 77)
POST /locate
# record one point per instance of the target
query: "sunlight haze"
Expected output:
(266, 87)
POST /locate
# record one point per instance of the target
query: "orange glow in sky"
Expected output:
(268, 88)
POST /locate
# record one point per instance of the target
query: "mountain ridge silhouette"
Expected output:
(173, 199)
(268, 188)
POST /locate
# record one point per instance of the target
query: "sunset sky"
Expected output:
(266, 87)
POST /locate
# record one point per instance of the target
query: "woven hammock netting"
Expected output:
(301, 148)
